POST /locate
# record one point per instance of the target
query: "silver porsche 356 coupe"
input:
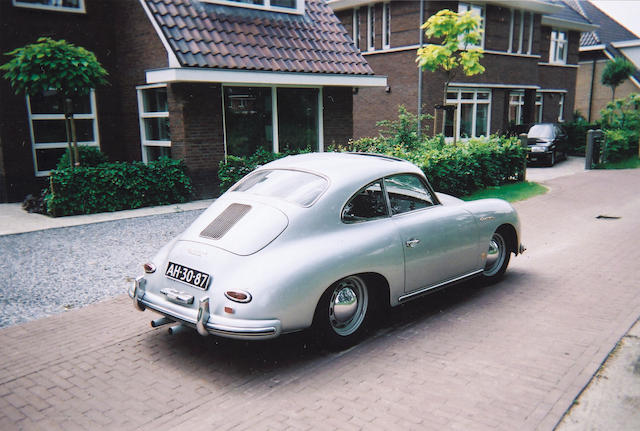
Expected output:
(322, 240)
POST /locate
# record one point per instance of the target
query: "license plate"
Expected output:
(187, 275)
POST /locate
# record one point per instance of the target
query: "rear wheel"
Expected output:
(498, 256)
(342, 312)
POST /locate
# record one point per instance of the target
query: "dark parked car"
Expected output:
(547, 143)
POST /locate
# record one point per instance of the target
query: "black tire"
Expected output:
(552, 159)
(342, 314)
(498, 256)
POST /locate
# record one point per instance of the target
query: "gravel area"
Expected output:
(50, 271)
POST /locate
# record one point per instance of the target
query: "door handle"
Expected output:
(412, 242)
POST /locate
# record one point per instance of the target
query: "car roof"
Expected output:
(345, 167)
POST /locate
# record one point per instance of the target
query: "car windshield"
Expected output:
(544, 131)
(302, 188)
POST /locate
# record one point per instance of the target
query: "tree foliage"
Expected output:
(53, 65)
(615, 72)
(56, 65)
(460, 35)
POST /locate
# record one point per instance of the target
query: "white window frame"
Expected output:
(55, 145)
(356, 27)
(51, 7)
(274, 114)
(459, 101)
(519, 104)
(472, 7)
(299, 9)
(371, 27)
(512, 26)
(386, 25)
(561, 108)
(555, 44)
(142, 115)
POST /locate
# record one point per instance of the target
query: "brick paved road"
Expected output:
(511, 356)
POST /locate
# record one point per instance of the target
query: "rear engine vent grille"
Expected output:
(225, 221)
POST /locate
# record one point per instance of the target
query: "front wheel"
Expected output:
(498, 256)
(341, 314)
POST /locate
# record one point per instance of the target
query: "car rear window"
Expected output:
(299, 187)
(541, 131)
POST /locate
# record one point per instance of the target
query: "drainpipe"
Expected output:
(420, 72)
(593, 78)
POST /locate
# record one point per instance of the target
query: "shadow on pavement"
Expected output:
(243, 359)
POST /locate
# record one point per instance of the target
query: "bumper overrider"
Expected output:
(201, 318)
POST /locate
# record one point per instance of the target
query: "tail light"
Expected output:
(149, 268)
(238, 295)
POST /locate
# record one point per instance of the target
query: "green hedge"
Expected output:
(89, 156)
(620, 144)
(468, 166)
(117, 186)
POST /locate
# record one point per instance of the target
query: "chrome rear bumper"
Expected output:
(201, 318)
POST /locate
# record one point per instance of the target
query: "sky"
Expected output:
(626, 12)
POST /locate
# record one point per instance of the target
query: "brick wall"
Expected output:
(337, 115)
(197, 134)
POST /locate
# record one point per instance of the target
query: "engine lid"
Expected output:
(239, 228)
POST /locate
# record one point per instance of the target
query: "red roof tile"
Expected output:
(210, 35)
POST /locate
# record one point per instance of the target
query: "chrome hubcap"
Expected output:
(348, 305)
(495, 255)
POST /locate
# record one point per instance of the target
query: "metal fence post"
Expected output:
(523, 142)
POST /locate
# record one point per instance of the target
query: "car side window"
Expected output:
(368, 204)
(407, 193)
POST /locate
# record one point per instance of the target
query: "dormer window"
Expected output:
(288, 6)
(76, 6)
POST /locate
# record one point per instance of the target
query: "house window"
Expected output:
(371, 28)
(521, 32)
(516, 104)
(48, 128)
(476, 10)
(53, 5)
(297, 118)
(559, 47)
(356, 27)
(561, 108)
(386, 25)
(153, 110)
(274, 119)
(290, 6)
(471, 113)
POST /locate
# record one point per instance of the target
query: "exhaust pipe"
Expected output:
(161, 321)
(176, 329)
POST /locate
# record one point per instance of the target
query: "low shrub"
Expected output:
(116, 186)
(620, 144)
(89, 156)
(457, 169)
(234, 168)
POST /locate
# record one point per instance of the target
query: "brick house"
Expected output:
(609, 40)
(531, 60)
(193, 79)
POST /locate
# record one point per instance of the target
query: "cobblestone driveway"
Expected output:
(510, 356)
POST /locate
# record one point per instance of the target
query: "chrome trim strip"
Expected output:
(444, 283)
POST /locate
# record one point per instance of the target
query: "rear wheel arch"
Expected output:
(510, 235)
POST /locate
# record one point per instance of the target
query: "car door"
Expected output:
(439, 242)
